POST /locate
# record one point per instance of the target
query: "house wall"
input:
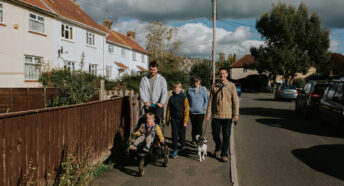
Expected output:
(15, 43)
(73, 49)
(237, 73)
(127, 60)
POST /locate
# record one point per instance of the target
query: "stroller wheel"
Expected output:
(141, 167)
(165, 155)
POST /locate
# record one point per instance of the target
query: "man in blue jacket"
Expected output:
(153, 91)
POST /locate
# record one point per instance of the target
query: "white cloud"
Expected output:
(197, 38)
(334, 45)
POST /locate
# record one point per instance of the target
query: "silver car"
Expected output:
(286, 92)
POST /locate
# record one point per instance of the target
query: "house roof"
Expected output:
(123, 40)
(246, 60)
(121, 65)
(141, 68)
(37, 3)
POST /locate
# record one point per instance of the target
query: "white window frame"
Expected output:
(2, 13)
(90, 39)
(142, 58)
(134, 56)
(66, 32)
(123, 52)
(111, 49)
(34, 66)
(69, 65)
(244, 70)
(108, 71)
(92, 69)
(34, 18)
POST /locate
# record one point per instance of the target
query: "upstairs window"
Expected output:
(134, 56)
(66, 32)
(123, 52)
(244, 70)
(142, 58)
(32, 67)
(92, 69)
(111, 49)
(1, 13)
(69, 65)
(89, 38)
(36, 23)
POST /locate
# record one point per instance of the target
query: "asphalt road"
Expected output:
(274, 147)
(184, 170)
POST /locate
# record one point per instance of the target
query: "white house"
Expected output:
(123, 55)
(238, 69)
(26, 42)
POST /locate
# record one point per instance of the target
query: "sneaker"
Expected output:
(217, 154)
(132, 147)
(146, 149)
(174, 154)
(183, 148)
(224, 158)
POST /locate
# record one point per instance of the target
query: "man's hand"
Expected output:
(160, 105)
(147, 104)
(208, 117)
(236, 118)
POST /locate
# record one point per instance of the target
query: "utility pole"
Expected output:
(214, 38)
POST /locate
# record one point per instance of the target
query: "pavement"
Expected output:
(184, 170)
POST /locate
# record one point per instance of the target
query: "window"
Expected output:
(1, 13)
(32, 67)
(134, 56)
(36, 23)
(93, 69)
(339, 93)
(69, 65)
(244, 70)
(330, 93)
(111, 49)
(108, 71)
(123, 52)
(142, 58)
(89, 38)
(66, 32)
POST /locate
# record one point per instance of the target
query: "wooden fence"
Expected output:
(41, 136)
(19, 99)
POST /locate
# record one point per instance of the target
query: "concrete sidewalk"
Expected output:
(184, 170)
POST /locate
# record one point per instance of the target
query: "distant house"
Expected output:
(238, 69)
(40, 35)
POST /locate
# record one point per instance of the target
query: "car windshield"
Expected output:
(320, 88)
(288, 87)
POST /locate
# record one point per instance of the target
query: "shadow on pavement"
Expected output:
(284, 118)
(327, 159)
(271, 99)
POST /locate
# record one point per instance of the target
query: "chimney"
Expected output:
(107, 23)
(132, 35)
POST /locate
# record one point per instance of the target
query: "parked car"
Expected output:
(238, 88)
(332, 104)
(308, 99)
(287, 92)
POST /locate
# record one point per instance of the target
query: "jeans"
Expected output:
(196, 123)
(216, 126)
(148, 139)
(178, 130)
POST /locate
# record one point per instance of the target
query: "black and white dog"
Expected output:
(202, 147)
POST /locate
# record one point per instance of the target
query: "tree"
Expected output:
(231, 58)
(202, 70)
(335, 64)
(294, 41)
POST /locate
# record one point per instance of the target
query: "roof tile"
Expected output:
(246, 60)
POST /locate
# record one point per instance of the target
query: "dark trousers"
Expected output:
(158, 112)
(178, 130)
(196, 122)
(225, 125)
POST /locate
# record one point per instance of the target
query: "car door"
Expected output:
(324, 108)
(337, 105)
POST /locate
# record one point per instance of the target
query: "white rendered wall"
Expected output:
(237, 73)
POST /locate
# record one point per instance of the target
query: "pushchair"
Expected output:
(156, 152)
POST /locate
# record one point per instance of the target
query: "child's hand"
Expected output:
(162, 141)
(185, 124)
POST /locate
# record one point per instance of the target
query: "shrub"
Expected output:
(74, 87)
(299, 83)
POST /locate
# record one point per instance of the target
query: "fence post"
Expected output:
(102, 90)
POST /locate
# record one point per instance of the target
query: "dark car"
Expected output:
(332, 104)
(286, 92)
(308, 99)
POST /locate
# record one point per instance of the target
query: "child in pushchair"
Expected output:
(147, 133)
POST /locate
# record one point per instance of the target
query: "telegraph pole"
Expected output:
(214, 38)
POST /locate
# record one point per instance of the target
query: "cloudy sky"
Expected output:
(236, 31)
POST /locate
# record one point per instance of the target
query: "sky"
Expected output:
(236, 20)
